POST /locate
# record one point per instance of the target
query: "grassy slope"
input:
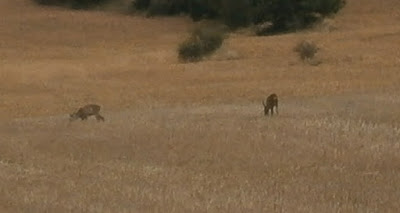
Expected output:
(191, 137)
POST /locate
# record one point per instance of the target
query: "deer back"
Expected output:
(272, 100)
(89, 109)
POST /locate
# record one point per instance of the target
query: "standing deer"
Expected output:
(270, 103)
(86, 111)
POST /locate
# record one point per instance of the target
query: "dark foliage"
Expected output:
(285, 15)
(75, 4)
(202, 42)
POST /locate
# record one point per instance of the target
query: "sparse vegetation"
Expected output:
(192, 137)
(306, 50)
(202, 42)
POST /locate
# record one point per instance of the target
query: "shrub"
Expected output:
(86, 4)
(198, 9)
(141, 4)
(297, 15)
(236, 13)
(51, 2)
(328, 7)
(285, 15)
(161, 7)
(202, 42)
(301, 14)
(306, 50)
(190, 50)
(262, 29)
(75, 4)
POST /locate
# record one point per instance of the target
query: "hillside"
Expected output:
(192, 137)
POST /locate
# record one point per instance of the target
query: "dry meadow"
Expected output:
(191, 137)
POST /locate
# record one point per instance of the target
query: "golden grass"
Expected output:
(192, 137)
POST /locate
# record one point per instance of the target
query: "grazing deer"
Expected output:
(86, 111)
(270, 103)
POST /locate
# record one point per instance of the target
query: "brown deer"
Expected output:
(88, 110)
(270, 103)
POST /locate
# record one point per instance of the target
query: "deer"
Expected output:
(270, 103)
(88, 110)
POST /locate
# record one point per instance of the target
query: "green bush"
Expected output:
(141, 4)
(202, 42)
(236, 13)
(306, 49)
(190, 50)
(285, 15)
(161, 7)
(51, 2)
(198, 9)
(75, 4)
(298, 14)
(86, 4)
(326, 7)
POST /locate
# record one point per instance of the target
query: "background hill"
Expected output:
(192, 137)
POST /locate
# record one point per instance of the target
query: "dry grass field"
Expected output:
(192, 137)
